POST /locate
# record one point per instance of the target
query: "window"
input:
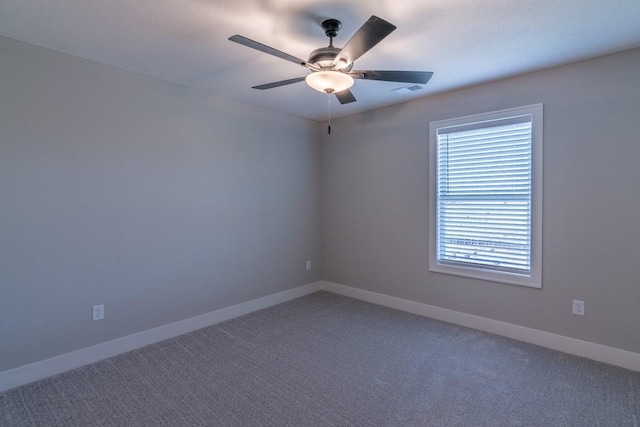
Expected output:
(486, 196)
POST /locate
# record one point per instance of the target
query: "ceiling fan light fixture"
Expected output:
(329, 81)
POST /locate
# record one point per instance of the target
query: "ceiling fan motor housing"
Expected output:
(323, 57)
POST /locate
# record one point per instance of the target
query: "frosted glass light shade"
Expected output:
(329, 81)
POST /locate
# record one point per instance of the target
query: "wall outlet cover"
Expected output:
(97, 312)
(578, 307)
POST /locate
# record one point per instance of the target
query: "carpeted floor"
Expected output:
(329, 360)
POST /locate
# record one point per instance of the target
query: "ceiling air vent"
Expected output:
(406, 89)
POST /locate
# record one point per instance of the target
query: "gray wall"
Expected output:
(156, 200)
(375, 204)
(164, 203)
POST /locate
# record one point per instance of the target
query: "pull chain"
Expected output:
(329, 102)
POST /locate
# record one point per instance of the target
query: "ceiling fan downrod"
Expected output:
(331, 28)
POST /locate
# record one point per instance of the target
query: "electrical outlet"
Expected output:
(578, 307)
(98, 312)
(308, 264)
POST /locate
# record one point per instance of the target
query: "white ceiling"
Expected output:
(462, 41)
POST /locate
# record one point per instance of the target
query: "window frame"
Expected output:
(534, 279)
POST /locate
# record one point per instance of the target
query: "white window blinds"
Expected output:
(483, 217)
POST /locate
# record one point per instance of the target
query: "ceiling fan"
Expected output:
(332, 68)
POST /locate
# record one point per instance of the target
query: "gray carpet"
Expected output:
(329, 360)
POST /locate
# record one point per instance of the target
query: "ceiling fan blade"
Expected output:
(419, 77)
(278, 84)
(345, 97)
(266, 49)
(369, 35)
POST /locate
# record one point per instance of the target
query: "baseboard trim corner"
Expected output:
(601, 353)
(45, 368)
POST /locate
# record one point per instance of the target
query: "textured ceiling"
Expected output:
(462, 41)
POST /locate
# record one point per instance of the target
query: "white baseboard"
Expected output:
(589, 350)
(55, 365)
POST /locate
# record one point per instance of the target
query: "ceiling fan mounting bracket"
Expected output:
(331, 27)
